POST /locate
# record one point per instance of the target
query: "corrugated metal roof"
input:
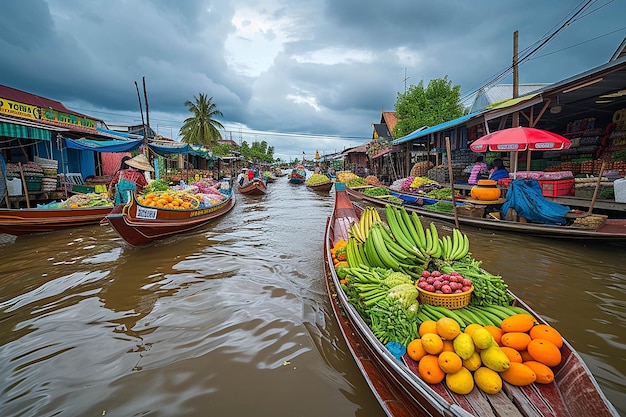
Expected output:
(501, 92)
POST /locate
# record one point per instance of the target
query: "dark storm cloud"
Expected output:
(338, 63)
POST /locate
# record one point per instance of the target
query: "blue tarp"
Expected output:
(103, 145)
(167, 150)
(525, 196)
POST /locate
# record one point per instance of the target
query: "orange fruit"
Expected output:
(448, 328)
(449, 362)
(428, 326)
(471, 327)
(543, 372)
(415, 350)
(514, 355)
(518, 323)
(543, 331)
(544, 351)
(519, 374)
(448, 346)
(432, 343)
(429, 369)
(516, 340)
(496, 332)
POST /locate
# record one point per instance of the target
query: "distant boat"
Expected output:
(256, 186)
(297, 175)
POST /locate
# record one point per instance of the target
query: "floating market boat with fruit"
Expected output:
(78, 210)
(255, 186)
(573, 224)
(434, 334)
(319, 182)
(156, 215)
(297, 175)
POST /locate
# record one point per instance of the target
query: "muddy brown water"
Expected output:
(234, 320)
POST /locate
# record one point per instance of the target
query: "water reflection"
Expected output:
(186, 327)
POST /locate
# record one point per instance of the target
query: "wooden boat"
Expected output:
(402, 393)
(608, 230)
(322, 187)
(33, 220)
(256, 186)
(139, 225)
(297, 175)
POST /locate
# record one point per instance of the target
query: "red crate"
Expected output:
(555, 188)
(549, 188)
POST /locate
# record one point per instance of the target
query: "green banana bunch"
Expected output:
(456, 246)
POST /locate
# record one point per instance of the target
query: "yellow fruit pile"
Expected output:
(169, 199)
(519, 352)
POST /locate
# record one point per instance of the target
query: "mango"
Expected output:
(463, 345)
(488, 380)
(460, 382)
(482, 338)
(494, 358)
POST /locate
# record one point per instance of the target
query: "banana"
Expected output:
(465, 250)
(472, 316)
(409, 226)
(372, 256)
(355, 231)
(381, 250)
(398, 235)
(350, 256)
(457, 244)
(484, 320)
(361, 253)
(364, 223)
(519, 310)
(419, 228)
(403, 226)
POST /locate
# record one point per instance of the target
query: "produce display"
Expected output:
(345, 176)
(422, 290)
(356, 182)
(376, 191)
(169, 199)
(317, 179)
(83, 201)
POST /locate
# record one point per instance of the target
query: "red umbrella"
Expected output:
(520, 139)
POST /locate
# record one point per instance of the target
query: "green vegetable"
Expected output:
(396, 278)
(405, 293)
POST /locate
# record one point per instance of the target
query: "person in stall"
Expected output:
(133, 175)
(479, 168)
(499, 171)
(241, 177)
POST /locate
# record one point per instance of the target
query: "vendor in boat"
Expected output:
(250, 174)
(479, 168)
(242, 176)
(133, 174)
(499, 171)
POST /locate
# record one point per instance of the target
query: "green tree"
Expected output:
(419, 106)
(257, 151)
(201, 128)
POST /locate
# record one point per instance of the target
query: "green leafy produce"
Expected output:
(376, 191)
(156, 185)
(356, 182)
(440, 206)
(317, 179)
(406, 293)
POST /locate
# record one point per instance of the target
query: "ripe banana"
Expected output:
(419, 228)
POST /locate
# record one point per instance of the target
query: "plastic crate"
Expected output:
(556, 188)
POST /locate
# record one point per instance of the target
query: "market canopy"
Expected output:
(103, 145)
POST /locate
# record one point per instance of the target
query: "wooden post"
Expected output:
(595, 192)
(456, 214)
(24, 185)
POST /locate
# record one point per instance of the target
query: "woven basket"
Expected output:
(449, 301)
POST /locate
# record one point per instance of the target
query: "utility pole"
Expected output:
(405, 80)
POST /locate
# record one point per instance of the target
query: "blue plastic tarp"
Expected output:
(103, 145)
(525, 196)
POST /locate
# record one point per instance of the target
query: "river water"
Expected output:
(234, 320)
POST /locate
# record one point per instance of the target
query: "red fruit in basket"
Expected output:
(467, 282)
(430, 280)
(435, 274)
(422, 284)
(430, 288)
(437, 284)
(425, 274)
(446, 289)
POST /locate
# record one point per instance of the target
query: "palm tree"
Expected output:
(201, 128)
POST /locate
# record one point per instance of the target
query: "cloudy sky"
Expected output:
(299, 74)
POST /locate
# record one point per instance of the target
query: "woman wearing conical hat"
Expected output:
(132, 175)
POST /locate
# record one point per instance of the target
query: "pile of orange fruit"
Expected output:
(532, 350)
(169, 199)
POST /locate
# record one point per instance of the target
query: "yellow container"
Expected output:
(485, 190)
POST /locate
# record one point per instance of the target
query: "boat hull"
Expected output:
(139, 225)
(19, 222)
(326, 186)
(610, 230)
(400, 390)
(254, 187)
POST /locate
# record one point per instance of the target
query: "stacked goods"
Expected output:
(345, 176)
(420, 169)
(372, 180)
(477, 340)
(172, 199)
(317, 179)
(84, 201)
(50, 168)
(585, 187)
(33, 174)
